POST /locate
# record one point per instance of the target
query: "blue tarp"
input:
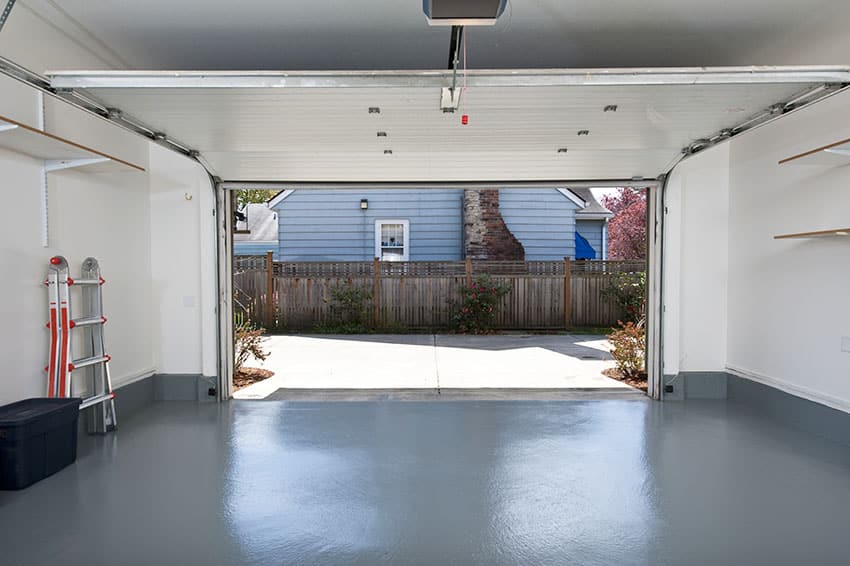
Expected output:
(583, 248)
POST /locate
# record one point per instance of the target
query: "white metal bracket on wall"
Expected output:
(51, 165)
(45, 224)
(45, 192)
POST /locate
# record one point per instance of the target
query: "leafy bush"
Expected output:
(629, 343)
(249, 342)
(349, 309)
(628, 291)
(478, 304)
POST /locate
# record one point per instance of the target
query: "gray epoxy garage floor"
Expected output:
(595, 482)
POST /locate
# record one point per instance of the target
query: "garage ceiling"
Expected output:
(393, 34)
(522, 125)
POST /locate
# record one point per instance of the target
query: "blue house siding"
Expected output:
(592, 232)
(542, 219)
(254, 248)
(328, 225)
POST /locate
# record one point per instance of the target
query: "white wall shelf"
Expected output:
(837, 233)
(832, 155)
(57, 152)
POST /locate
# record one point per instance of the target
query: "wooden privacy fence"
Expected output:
(420, 294)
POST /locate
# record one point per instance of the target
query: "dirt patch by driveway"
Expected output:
(249, 376)
(640, 383)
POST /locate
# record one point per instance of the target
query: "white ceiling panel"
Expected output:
(324, 133)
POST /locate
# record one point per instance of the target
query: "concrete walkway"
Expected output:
(436, 362)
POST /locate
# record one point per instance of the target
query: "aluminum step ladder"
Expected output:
(100, 405)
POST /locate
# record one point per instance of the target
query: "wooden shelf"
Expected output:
(57, 152)
(832, 155)
(838, 233)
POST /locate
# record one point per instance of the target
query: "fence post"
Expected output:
(269, 290)
(567, 294)
(469, 272)
(376, 290)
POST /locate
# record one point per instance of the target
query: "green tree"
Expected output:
(247, 196)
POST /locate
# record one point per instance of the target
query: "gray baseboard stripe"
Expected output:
(130, 400)
(774, 403)
(795, 411)
(134, 397)
(183, 387)
(697, 385)
(176, 387)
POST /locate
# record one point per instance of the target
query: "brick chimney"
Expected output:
(485, 234)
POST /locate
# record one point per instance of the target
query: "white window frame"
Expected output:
(405, 230)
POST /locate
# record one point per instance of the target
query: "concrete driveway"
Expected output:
(435, 362)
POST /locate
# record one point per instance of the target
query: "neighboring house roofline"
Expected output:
(280, 197)
(579, 202)
(594, 215)
(593, 210)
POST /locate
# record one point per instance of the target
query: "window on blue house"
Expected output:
(392, 240)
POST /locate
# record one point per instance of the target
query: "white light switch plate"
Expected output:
(845, 344)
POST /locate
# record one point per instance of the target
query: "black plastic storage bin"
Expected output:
(38, 437)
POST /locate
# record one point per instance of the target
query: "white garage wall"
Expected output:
(696, 263)
(788, 305)
(182, 244)
(153, 245)
(105, 216)
(19, 103)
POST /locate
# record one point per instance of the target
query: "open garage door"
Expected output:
(539, 128)
(391, 126)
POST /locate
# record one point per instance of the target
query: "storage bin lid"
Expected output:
(30, 410)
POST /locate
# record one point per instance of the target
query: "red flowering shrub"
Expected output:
(627, 230)
(479, 301)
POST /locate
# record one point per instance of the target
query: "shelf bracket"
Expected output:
(839, 151)
(57, 165)
(45, 226)
(60, 164)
